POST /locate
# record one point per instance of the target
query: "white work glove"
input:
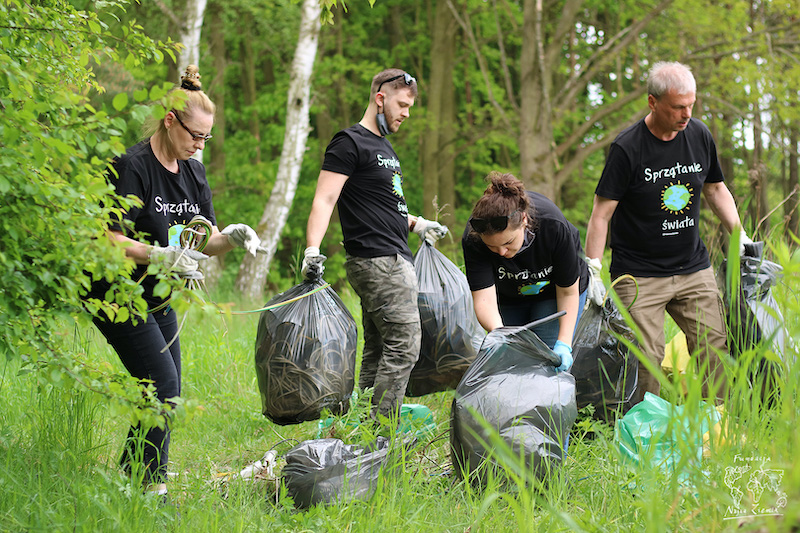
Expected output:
(743, 239)
(176, 259)
(243, 236)
(429, 230)
(596, 290)
(312, 264)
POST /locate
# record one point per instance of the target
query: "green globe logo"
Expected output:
(397, 184)
(676, 198)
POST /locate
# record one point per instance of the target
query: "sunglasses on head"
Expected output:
(480, 225)
(195, 136)
(408, 78)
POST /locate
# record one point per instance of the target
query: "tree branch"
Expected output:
(565, 24)
(748, 37)
(466, 25)
(606, 52)
(758, 130)
(171, 15)
(585, 151)
(504, 60)
(601, 113)
(543, 77)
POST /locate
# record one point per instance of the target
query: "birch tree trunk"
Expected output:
(253, 271)
(190, 38)
(215, 88)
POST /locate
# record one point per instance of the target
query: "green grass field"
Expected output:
(59, 447)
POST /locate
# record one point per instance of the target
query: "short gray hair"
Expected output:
(670, 76)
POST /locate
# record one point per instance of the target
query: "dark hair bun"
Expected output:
(505, 184)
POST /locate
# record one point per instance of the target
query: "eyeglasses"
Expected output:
(480, 225)
(408, 78)
(195, 136)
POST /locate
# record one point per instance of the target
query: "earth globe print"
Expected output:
(397, 184)
(677, 197)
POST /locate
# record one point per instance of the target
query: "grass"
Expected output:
(59, 447)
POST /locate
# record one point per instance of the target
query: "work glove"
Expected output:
(596, 290)
(312, 264)
(244, 236)
(429, 230)
(743, 239)
(565, 353)
(184, 261)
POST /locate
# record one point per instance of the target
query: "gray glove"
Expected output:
(176, 259)
(312, 264)
(244, 236)
(596, 290)
(429, 230)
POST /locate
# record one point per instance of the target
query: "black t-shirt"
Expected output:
(654, 230)
(551, 255)
(372, 207)
(170, 201)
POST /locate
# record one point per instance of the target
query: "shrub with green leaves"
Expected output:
(55, 148)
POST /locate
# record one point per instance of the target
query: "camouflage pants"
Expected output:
(387, 287)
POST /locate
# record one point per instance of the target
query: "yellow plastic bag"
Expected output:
(676, 355)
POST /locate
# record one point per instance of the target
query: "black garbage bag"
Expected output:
(305, 354)
(753, 314)
(451, 334)
(514, 388)
(328, 470)
(605, 369)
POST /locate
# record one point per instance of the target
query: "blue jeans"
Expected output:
(519, 314)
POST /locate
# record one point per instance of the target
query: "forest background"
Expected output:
(539, 89)
(535, 88)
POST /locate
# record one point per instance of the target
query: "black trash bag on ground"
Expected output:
(514, 388)
(451, 334)
(605, 369)
(305, 354)
(328, 470)
(753, 315)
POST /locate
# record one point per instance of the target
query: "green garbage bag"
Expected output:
(415, 419)
(657, 433)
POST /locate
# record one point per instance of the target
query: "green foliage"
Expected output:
(56, 140)
(58, 453)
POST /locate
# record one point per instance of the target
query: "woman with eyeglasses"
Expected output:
(524, 262)
(173, 190)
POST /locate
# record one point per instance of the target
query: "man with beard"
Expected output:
(361, 175)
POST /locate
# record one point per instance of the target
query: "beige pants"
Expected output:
(694, 302)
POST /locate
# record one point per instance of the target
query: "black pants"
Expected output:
(142, 349)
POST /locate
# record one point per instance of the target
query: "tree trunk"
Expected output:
(216, 91)
(253, 271)
(437, 149)
(249, 90)
(757, 176)
(792, 184)
(535, 126)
